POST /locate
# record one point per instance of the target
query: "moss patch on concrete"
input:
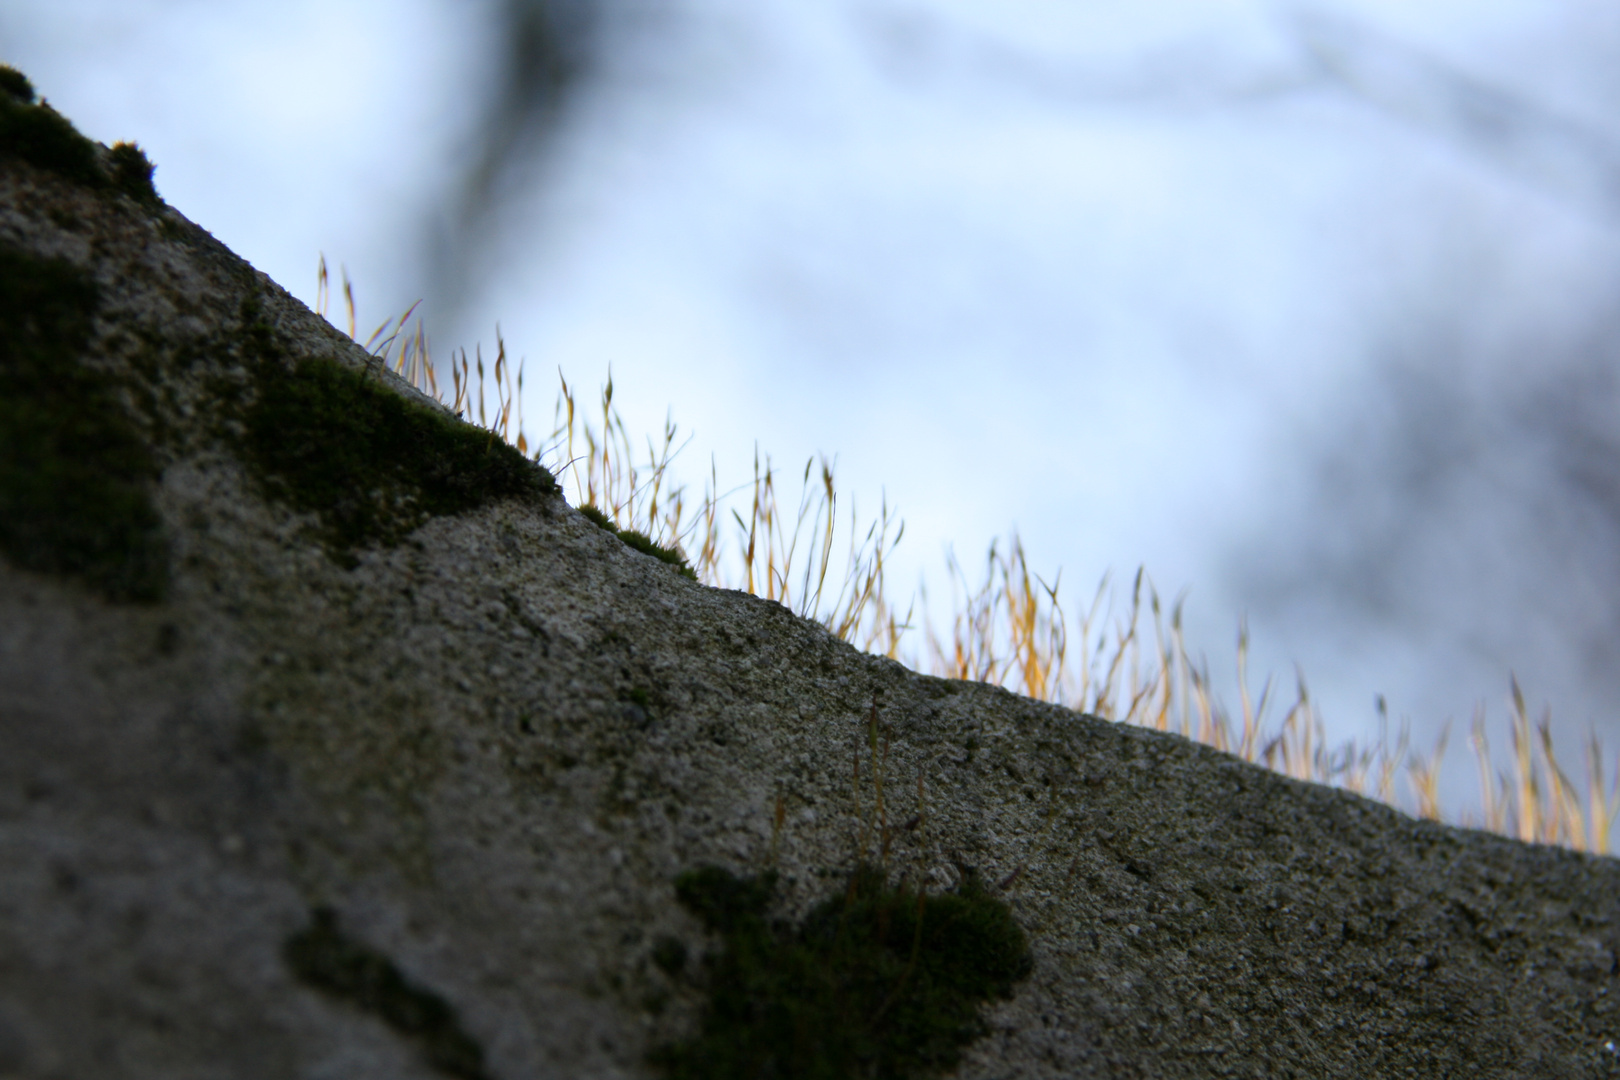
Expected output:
(325, 958)
(876, 982)
(75, 477)
(327, 439)
(640, 541)
(32, 131)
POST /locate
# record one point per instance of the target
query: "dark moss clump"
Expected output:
(323, 957)
(334, 441)
(15, 85)
(36, 133)
(877, 982)
(601, 520)
(75, 477)
(131, 172)
(641, 542)
(669, 953)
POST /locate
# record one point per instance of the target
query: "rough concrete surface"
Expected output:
(488, 747)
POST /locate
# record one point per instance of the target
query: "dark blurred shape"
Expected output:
(1467, 498)
(1470, 491)
(913, 45)
(1569, 159)
(549, 49)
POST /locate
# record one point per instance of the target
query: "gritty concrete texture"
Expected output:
(484, 753)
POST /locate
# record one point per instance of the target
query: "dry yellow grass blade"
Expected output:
(1601, 801)
(323, 286)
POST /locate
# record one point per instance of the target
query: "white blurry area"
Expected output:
(285, 129)
(1207, 286)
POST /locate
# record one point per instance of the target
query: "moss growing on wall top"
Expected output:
(876, 982)
(15, 85)
(640, 541)
(334, 441)
(75, 478)
(32, 131)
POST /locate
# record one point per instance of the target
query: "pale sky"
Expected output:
(1307, 308)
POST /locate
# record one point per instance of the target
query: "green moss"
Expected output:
(601, 520)
(323, 957)
(131, 172)
(75, 477)
(15, 85)
(876, 982)
(641, 542)
(330, 440)
(38, 134)
(669, 953)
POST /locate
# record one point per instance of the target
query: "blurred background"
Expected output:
(1309, 309)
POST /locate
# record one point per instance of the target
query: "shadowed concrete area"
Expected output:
(390, 766)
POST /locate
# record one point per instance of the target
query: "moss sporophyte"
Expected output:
(877, 981)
